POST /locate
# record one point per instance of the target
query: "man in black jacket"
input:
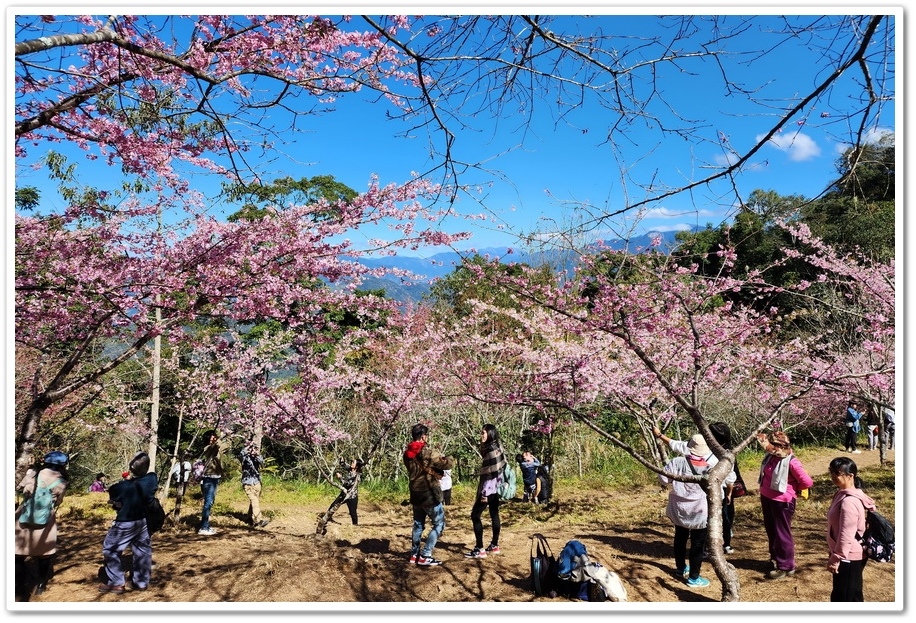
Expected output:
(130, 498)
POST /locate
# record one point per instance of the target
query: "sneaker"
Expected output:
(697, 582)
(413, 559)
(428, 561)
(684, 573)
(137, 587)
(476, 553)
(108, 588)
(729, 549)
(206, 531)
(263, 523)
(492, 549)
(778, 574)
(857, 452)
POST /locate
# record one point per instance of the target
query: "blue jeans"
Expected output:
(436, 515)
(208, 490)
(120, 535)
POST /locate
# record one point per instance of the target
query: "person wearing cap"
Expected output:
(687, 506)
(98, 485)
(782, 478)
(728, 508)
(40, 542)
(130, 498)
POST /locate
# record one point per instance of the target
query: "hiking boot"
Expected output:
(492, 549)
(476, 553)
(428, 561)
(206, 531)
(697, 582)
(778, 574)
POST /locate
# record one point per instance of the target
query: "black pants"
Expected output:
(847, 582)
(850, 438)
(697, 540)
(352, 503)
(477, 511)
(447, 497)
(728, 520)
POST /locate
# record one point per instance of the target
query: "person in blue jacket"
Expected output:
(130, 498)
(852, 427)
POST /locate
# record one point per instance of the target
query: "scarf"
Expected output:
(494, 460)
(780, 476)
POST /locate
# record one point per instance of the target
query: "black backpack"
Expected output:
(878, 538)
(155, 514)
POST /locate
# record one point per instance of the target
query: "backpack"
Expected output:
(36, 511)
(508, 485)
(197, 471)
(878, 538)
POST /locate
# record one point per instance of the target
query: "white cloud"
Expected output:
(798, 145)
(674, 227)
(666, 213)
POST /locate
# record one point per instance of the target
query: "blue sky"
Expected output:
(546, 173)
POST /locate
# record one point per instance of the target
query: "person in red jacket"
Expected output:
(425, 468)
(845, 523)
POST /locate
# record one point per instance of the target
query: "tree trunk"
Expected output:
(726, 572)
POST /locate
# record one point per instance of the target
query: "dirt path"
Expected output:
(287, 563)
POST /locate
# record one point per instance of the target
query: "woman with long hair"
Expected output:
(493, 460)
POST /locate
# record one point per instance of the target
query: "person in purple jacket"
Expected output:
(782, 477)
(845, 522)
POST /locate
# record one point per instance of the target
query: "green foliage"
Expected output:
(27, 198)
(260, 199)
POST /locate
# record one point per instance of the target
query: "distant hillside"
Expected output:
(442, 264)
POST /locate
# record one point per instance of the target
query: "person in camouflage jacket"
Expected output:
(425, 467)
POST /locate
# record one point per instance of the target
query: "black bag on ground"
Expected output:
(543, 566)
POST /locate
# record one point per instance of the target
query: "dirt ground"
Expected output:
(286, 563)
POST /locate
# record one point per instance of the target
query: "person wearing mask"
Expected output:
(40, 542)
(845, 524)
(424, 469)
(782, 478)
(129, 498)
(493, 460)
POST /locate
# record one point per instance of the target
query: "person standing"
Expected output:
(845, 522)
(851, 420)
(529, 465)
(424, 469)
(129, 498)
(212, 459)
(181, 475)
(683, 448)
(40, 542)
(723, 435)
(687, 506)
(350, 482)
(252, 463)
(782, 477)
(872, 424)
(493, 460)
(889, 428)
(446, 484)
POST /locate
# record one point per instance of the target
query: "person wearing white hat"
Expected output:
(687, 506)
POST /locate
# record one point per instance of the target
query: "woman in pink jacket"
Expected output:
(846, 522)
(782, 477)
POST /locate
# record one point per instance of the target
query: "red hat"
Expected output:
(125, 474)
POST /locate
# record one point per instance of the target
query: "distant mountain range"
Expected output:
(442, 264)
